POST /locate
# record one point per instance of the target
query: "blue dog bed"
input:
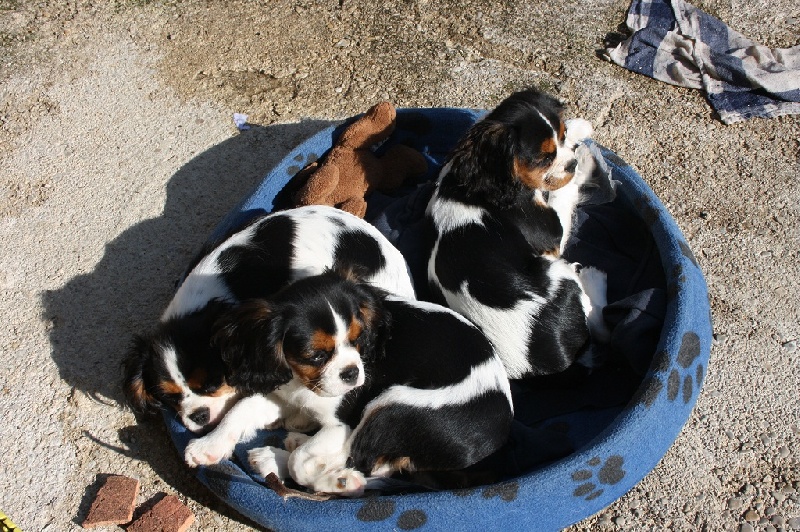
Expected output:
(578, 443)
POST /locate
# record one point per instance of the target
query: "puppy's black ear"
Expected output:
(483, 161)
(249, 338)
(376, 319)
(134, 383)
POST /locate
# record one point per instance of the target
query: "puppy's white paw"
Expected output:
(578, 129)
(209, 449)
(294, 440)
(266, 460)
(594, 283)
(348, 482)
(305, 469)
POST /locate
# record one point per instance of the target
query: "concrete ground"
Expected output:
(118, 155)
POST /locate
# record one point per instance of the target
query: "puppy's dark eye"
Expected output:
(318, 356)
(208, 389)
(546, 159)
(172, 398)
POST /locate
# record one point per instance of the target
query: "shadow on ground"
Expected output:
(94, 316)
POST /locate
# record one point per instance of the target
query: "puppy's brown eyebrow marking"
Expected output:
(322, 341)
(354, 330)
(562, 130)
(548, 146)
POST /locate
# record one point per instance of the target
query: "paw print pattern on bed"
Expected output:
(382, 508)
(507, 491)
(609, 473)
(683, 378)
(682, 381)
(310, 158)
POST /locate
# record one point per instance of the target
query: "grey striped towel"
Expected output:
(675, 42)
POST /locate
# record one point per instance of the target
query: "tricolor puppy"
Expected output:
(501, 213)
(395, 384)
(178, 364)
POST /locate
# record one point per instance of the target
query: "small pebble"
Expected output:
(778, 496)
(783, 452)
(770, 528)
(790, 346)
(734, 503)
(770, 511)
(619, 521)
(746, 446)
(746, 527)
(794, 523)
(604, 520)
(751, 515)
(778, 521)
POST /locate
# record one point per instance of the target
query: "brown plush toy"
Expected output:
(351, 169)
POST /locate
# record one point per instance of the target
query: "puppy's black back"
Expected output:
(422, 349)
(433, 439)
(429, 350)
(261, 266)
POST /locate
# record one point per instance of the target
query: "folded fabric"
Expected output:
(675, 42)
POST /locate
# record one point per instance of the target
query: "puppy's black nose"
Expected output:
(571, 166)
(200, 416)
(349, 375)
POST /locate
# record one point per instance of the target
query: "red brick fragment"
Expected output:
(168, 515)
(114, 502)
